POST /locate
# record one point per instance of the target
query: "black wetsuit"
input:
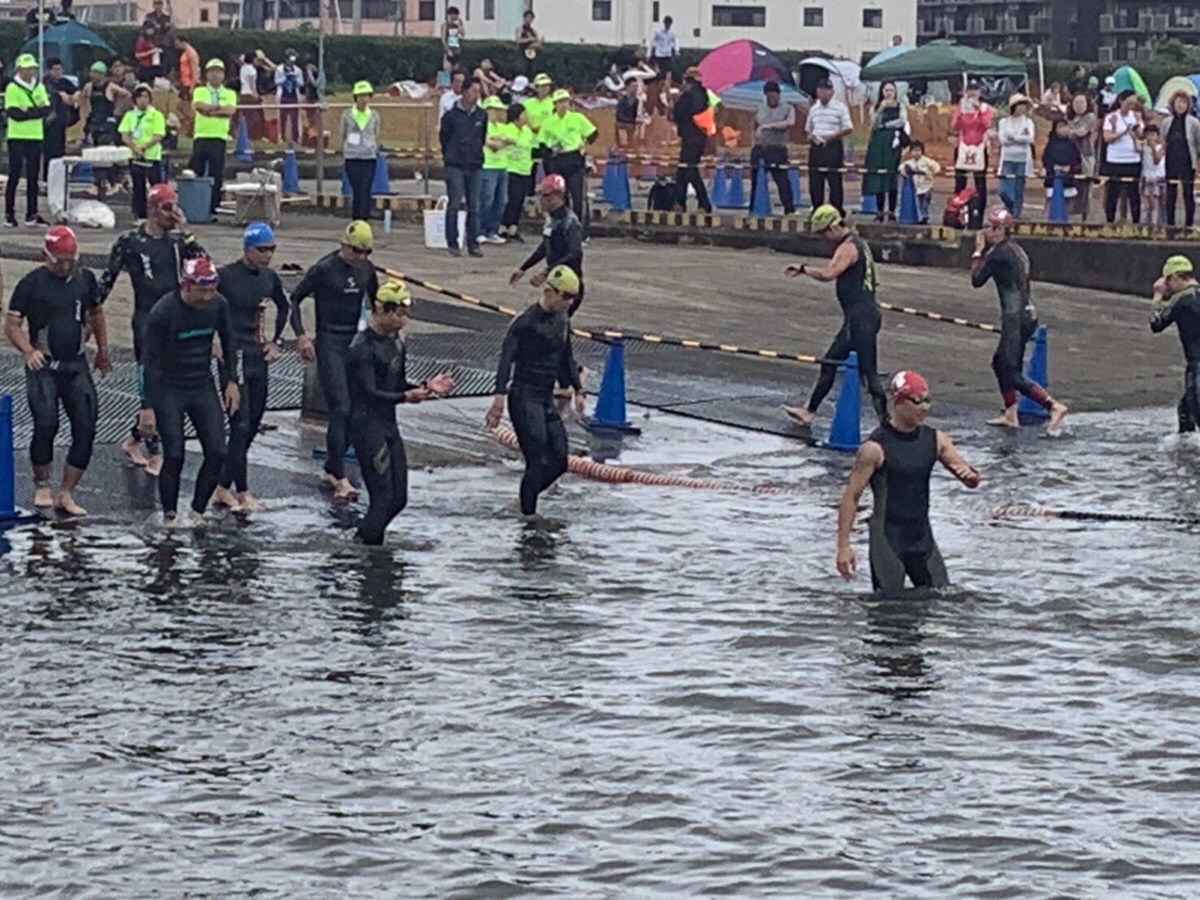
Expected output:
(538, 345)
(153, 264)
(179, 382)
(377, 381)
(1183, 311)
(247, 290)
(901, 538)
(861, 320)
(342, 291)
(56, 310)
(1008, 266)
(562, 245)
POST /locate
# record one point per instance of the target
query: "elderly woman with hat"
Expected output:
(360, 146)
(1015, 135)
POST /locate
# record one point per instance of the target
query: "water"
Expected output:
(670, 693)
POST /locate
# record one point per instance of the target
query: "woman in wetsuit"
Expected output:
(999, 258)
(897, 460)
(853, 268)
(377, 381)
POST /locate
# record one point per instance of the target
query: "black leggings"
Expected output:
(519, 187)
(243, 424)
(1008, 363)
(1181, 182)
(24, 157)
(384, 468)
(1124, 178)
(71, 384)
(360, 173)
(208, 158)
(143, 176)
(1189, 405)
(858, 334)
(543, 440)
(202, 406)
(152, 442)
(573, 169)
(332, 350)
(890, 196)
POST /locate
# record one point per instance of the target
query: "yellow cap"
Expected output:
(560, 94)
(358, 234)
(214, 63)
(492, 103)
(825, 216)
(563, 279)
(362, 87)
(1177, 265)
(394, 291)
(26, 61)
(543, 80)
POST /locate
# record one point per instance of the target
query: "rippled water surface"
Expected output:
(669, 692)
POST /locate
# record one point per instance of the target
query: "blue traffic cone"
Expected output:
(649, 173)
(909, 214)
(346, 189)
(1038, 371)
(609, 414)
(243, 153)
(718, 192)
(9, 513)
(794, 181)
(761, 206)
(845, 433)
(607, 192)
(737, 190)
(868, 205)
(1057, 212)
(380, 186)
(84, 173)
(291, 174)
(624, 197)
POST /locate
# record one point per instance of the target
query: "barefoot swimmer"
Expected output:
(1177, 302)
(999, 258)
(897, 460)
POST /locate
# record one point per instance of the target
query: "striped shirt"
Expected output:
(827, 119)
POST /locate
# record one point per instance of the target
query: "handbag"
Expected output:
(971, 157)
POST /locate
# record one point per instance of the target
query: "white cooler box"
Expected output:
(435, 225)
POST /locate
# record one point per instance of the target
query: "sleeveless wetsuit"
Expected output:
(901, 538)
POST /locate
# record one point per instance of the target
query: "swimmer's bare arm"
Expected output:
(954, 463)
(843, 258)
(866, 464)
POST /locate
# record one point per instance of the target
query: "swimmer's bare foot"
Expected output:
(65, 504)
(329, 481)
(154, 466)
(1058, 412)
(248, 502)
(43, 497)
(225, 498)
(801, 414)
(1008, 419)
(344, 490)
(196, 519)
(131, 448)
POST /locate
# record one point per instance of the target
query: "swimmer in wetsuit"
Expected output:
(897, 460)
(562, 238)
(247, 285)
(999, 258)
(59, 303)
(377, 382)
(853, 268)
(1177, 302)
(179, 347)
(343, 284)
(537, 353)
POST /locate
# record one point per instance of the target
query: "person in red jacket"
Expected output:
(970, 126)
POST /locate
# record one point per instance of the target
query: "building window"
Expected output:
(601, 10)
(654, 11)
(427, 10)
(814, 17)
(489, 9)
(203, 15)
(962, 18)
(1024, 19)
(872, 18)
(739, 16)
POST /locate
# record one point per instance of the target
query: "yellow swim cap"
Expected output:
(359, 235)
(394, 291)
(825, 216)
(1177, 265)
(563, 279)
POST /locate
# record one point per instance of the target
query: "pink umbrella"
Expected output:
(740, 61)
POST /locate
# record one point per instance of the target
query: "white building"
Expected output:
(845, 28)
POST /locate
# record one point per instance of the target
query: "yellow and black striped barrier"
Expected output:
(938, 317)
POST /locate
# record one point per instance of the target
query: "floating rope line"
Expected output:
(1044, 512)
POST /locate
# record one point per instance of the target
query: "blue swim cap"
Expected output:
(256, 235)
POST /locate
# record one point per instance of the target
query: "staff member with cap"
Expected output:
(144, 129)
(215, 106)
(1177, 302)
(342, 284)
(772, 122)
(360, 147)
(563, 135)
(493, 190)
(540, 106)
(690, 103)
(828, 122)
(26, 105)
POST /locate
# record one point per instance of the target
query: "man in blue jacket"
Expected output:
(462, 132)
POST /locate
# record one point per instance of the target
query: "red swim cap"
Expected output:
(61, 242)
(161, 193)
(552, 184)
(909, 385)
(199, 271)
(999, 217)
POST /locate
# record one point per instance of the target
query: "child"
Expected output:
(1061, 159)
(922, 170)
(629, 114)
(1154, 175)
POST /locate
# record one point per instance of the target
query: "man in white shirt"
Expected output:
(664, 46)
(828, 122)
(452, 96)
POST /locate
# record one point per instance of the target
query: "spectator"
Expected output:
(98, 109)
(35, 21)
(772, 121)
(1016, 136)
(1123, 160)
(461, 134)
(1081, 127)
(1061, 159)
(64, 112)
(520, 173)
(1079, 81)
(529, 42)
(1108, 96)
(453, 33)
(288, 81)
(664, 46)
(189, 78)
(540, 107)
(1154, 174)
(144, 129)
(360, 147)
(452, 95)
(922, 170)
(691, 102)
(828, 122)
(249, 100)
(264, 74)
(126, 79)
(161, 22)
(889, 127)
(971, 125)
(26, 104)
(520, 90)
(148, 55)
(215, 107)
(1052, 106)
(629, 114)
(563, 135)
(493, 191)
(314, 89)
(1183, 153)
(490, 82)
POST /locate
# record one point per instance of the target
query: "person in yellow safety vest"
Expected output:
(563, 135)
(215, 106)
(143, 128)
(27, 104)
(539, 108)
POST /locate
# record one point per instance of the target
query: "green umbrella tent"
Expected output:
(76, 46)
(942, 60)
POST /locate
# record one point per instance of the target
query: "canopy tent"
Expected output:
(843, 74)
(942, 60)
(741, 61)
(1179, 84)
(1128, 79)
(749, 94)
(889, 53)
(872, 87)
(76, 46)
